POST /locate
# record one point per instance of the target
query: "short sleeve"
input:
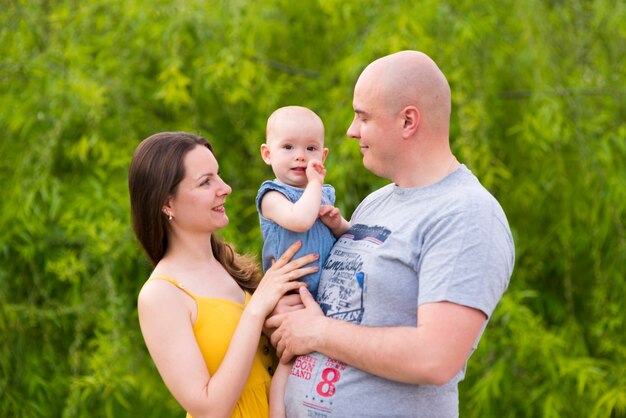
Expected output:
(467, 258)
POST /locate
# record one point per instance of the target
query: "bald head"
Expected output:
(293, 117)
(409, 78)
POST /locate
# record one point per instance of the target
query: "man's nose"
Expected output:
(353, 131)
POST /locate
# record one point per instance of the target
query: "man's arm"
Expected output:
(431, 353)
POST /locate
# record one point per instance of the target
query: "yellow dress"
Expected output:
(215, 325)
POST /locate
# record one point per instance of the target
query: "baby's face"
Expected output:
(290, 146)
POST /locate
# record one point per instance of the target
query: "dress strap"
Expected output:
(175, 283)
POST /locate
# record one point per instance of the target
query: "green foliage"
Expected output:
(538, 114)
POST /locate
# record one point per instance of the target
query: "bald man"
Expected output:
(407, 291)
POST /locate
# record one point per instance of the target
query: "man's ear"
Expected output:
(265, 153)
(324, 154)
(411, 117)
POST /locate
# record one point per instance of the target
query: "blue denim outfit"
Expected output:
(276, 239)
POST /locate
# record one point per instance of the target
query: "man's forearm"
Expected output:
(392, 353)
(431, 353)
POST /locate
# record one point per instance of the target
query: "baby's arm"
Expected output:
(301, 215)
(332, 218)
(277, 390)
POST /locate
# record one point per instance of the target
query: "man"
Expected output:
(407, 291)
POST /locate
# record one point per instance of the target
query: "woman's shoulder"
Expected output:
(162, 304)
(159, 290)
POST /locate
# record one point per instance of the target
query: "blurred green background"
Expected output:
(539, 115)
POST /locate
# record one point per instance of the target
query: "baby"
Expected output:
(297, 205)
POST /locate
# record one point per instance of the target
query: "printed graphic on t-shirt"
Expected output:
(322, 375)
(344, 280)
(341, 293)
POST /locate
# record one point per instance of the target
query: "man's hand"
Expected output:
(288, 303)
(299, 332)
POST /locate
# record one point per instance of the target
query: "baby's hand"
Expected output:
(330, 216)
(315, 171)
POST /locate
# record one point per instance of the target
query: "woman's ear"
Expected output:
(167, 208)
(265, 153)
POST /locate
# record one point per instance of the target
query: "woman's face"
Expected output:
(198, 205)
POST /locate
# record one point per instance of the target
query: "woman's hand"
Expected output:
(281, 278)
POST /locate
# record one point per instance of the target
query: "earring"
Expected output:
(169, 216)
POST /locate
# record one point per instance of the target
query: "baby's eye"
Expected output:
(288, 146)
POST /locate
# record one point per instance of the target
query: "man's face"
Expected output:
(376, 127)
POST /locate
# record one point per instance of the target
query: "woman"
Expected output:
(201, 311)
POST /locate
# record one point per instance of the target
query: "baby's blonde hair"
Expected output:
(290, 112)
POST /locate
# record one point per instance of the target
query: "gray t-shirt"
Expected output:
(449, 241)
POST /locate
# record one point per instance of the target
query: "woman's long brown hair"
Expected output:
(155, 172)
